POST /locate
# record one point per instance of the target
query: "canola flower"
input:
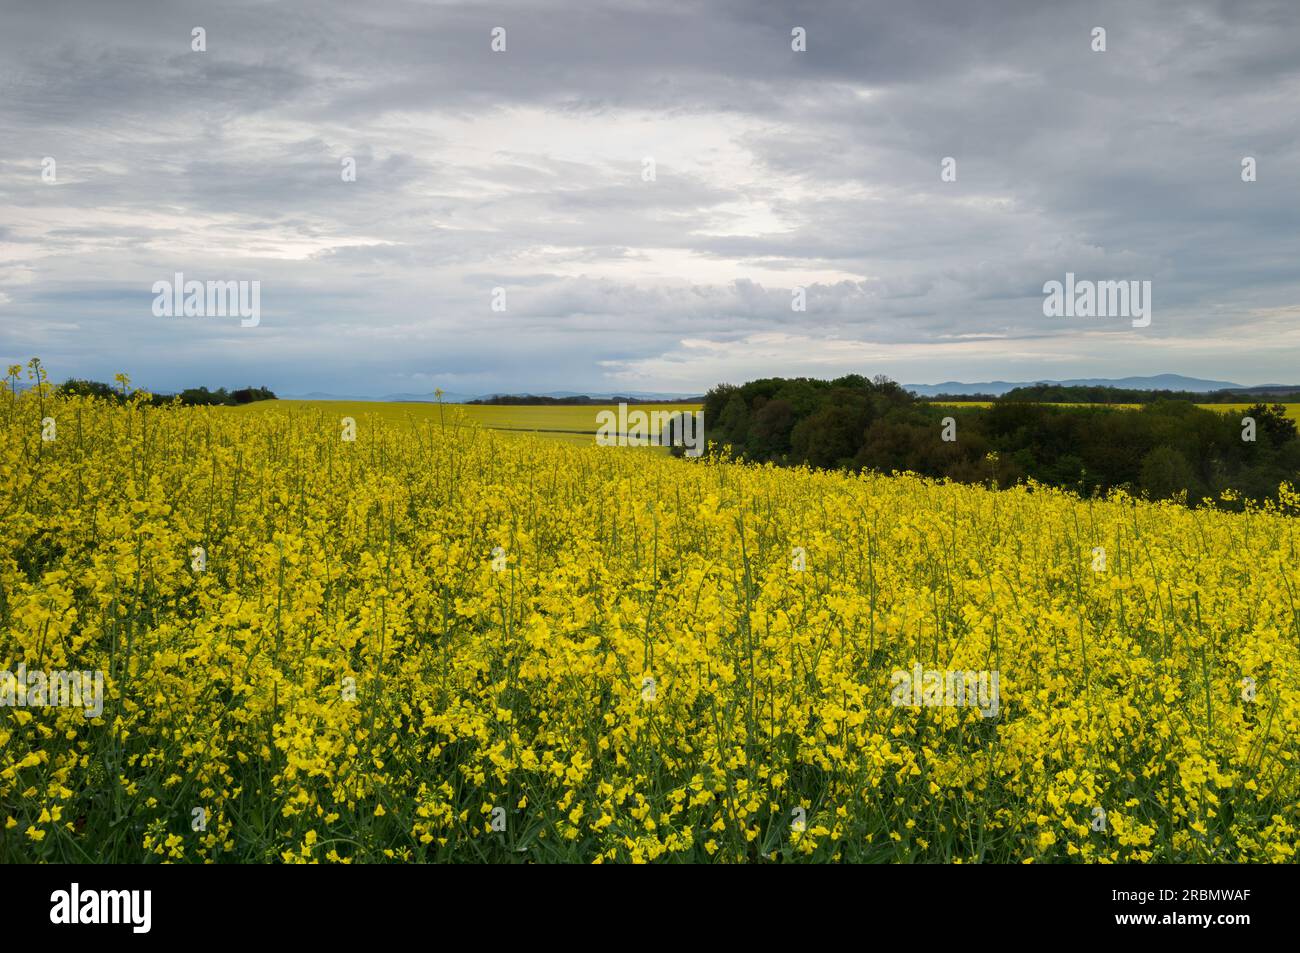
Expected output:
(438, 643)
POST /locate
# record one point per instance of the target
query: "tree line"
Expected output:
(191, 397)
(1166, 449)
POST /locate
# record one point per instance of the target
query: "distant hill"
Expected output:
(1155, 382)
(447, 398)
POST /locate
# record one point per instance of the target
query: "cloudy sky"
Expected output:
(526, 170)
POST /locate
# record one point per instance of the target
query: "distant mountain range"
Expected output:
(1156, 382)
(447, 397)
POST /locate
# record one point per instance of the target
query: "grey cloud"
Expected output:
(523, 170)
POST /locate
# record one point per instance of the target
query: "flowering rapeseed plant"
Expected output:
(433, 642)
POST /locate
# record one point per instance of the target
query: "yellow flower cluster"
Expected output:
(434, 642)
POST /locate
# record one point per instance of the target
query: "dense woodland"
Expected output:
(194, 396)
(1165, 449)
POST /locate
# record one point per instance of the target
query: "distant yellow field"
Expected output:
(571, 424)
(1292, 410)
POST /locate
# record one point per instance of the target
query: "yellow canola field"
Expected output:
(437, 642)
(569, 422)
